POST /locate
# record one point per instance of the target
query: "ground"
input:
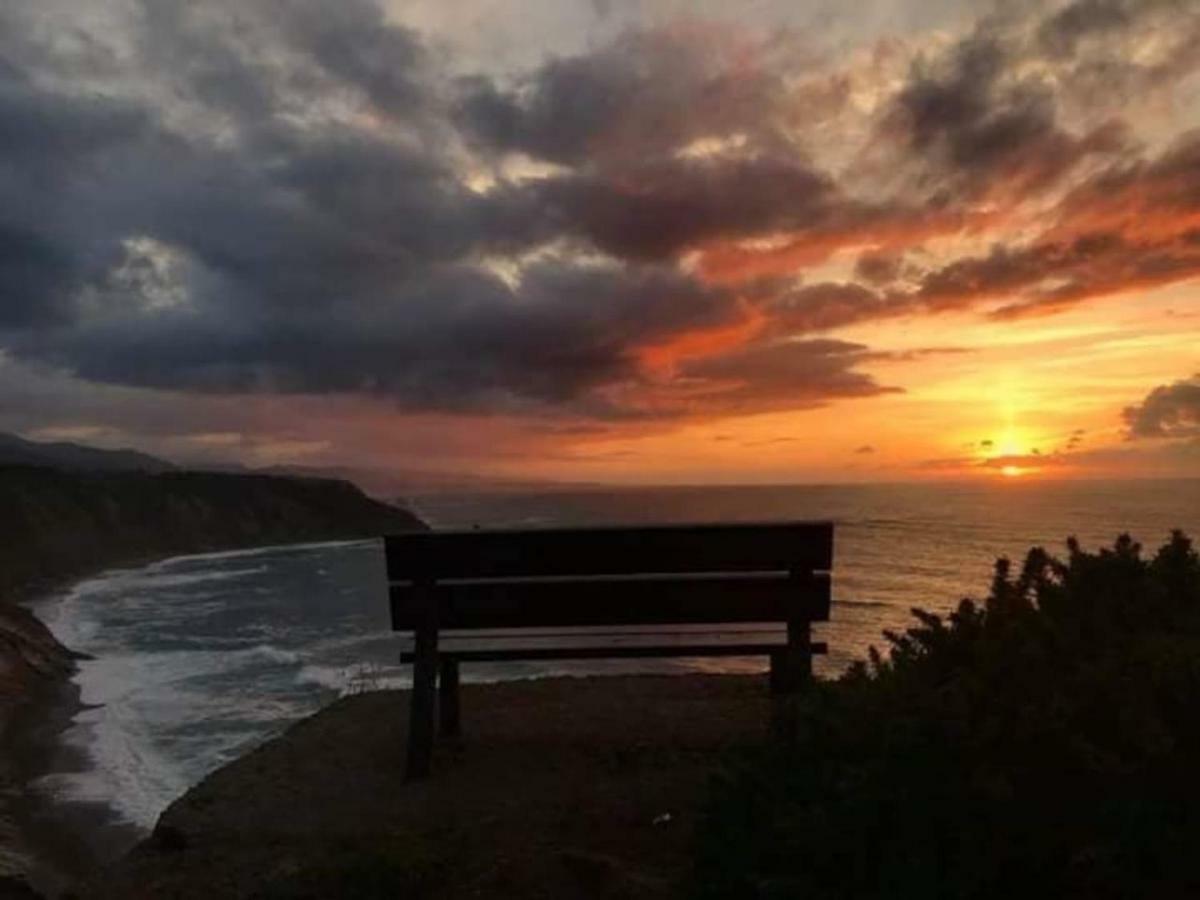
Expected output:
(559, 788)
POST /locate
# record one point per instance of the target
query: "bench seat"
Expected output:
(728, 577)
(647, 651)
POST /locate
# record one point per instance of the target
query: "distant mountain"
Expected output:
(383, 483)
(62, 455)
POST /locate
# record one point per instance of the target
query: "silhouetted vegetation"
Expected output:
(1044, 743)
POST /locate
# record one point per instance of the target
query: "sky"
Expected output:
(607, 240)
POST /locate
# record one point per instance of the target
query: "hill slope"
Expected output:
(18, 451)
(57, 524)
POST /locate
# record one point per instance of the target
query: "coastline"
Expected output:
(67, 841)
(47, 842)
(50, 843)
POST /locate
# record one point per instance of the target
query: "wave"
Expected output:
(168, 582)
(333, 678)
(127, 772)
(274, 654)
(353, 679)
(259, 551)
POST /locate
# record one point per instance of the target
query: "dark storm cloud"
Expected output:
(352, 42)
(1131, 226)
(35, 275)
(1170, 410)
(878, 268)
(646, 93)
(975, 128)
(821, 307)
(1062, 31)
(785, 374)
(239, 197)
(257, 60)
(248, 233)
(657, 210)
(459, 338)
(53, 149)
(1094, 44)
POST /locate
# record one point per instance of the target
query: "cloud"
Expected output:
(645, 94)
(1024, 462)
(964, 117)
(276, 215)
(269, 198)
(865, 449)
(1168, 411)
(782, 375)
(659, 209)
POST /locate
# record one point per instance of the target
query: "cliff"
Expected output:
(58, 524)
(16, 451)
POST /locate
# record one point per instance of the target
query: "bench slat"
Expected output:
(780, 546)
(598, 602)
(630, 652)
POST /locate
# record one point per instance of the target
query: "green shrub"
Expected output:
(1044, 743)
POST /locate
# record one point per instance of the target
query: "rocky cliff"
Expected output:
(58, 524)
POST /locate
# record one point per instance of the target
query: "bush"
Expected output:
(1042, 744)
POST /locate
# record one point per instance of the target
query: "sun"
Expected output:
(1012, 471)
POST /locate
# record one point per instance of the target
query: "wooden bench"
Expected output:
(721, 575)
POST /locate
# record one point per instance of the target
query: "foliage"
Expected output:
(1044, 743)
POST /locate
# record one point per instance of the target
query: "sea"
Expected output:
(195, 660)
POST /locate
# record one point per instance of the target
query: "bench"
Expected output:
(679, 575)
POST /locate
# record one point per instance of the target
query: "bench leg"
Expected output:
(424, 698)
(791, 672)
(449, 724)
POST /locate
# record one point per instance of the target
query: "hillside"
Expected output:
(57, 524)
(16, 451)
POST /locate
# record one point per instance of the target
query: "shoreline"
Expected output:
(55, 843)
(68, 841)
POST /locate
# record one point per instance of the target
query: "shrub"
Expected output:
(1043, 743)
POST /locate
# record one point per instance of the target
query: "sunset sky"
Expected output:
(607, 240)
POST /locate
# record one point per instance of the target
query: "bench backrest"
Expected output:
(657, 575)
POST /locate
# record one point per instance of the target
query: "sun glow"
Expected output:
(1012, 471)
